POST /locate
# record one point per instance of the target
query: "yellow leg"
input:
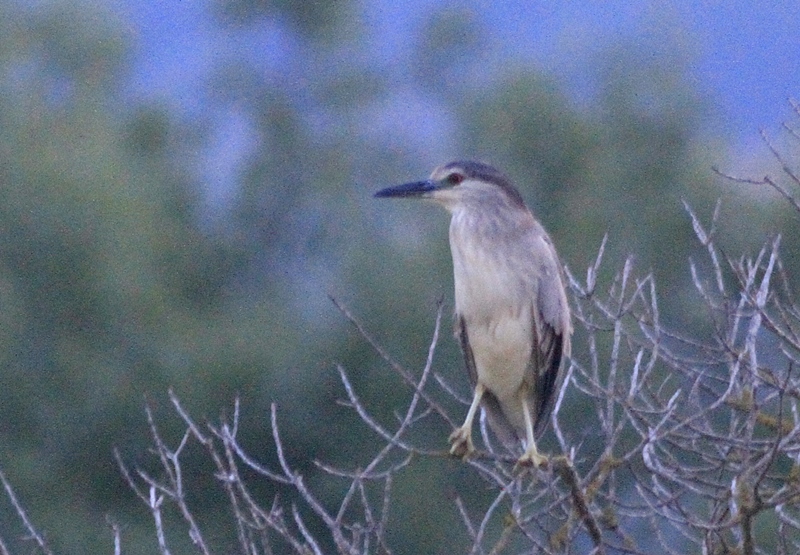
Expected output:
(531, 456)
(461, 438)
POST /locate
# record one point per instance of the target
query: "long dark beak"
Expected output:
(416, 189)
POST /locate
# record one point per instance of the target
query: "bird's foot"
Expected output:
(532, 458)
(461, 440)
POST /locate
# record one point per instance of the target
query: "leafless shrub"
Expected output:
(701, 438)
(694, 444)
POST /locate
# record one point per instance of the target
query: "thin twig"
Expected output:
(23, 515)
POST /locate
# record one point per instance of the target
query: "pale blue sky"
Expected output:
(745, 56)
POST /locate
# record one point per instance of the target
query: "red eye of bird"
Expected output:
(455, 178)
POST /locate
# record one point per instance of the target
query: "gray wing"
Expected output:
(552, 329)
(489, 403)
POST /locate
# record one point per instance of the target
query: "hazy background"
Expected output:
(183, 184)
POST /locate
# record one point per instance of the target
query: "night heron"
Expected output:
(512, 317)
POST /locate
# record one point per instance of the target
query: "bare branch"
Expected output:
(23, 515)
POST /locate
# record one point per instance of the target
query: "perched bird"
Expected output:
(512, 317)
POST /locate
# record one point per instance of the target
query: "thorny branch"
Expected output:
(691, 440)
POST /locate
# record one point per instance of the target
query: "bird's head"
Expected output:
(461, 185)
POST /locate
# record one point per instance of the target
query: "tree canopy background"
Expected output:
(121, 278)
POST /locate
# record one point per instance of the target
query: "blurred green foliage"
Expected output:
(114, 286)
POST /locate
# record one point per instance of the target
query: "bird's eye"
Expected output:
(455, 178)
